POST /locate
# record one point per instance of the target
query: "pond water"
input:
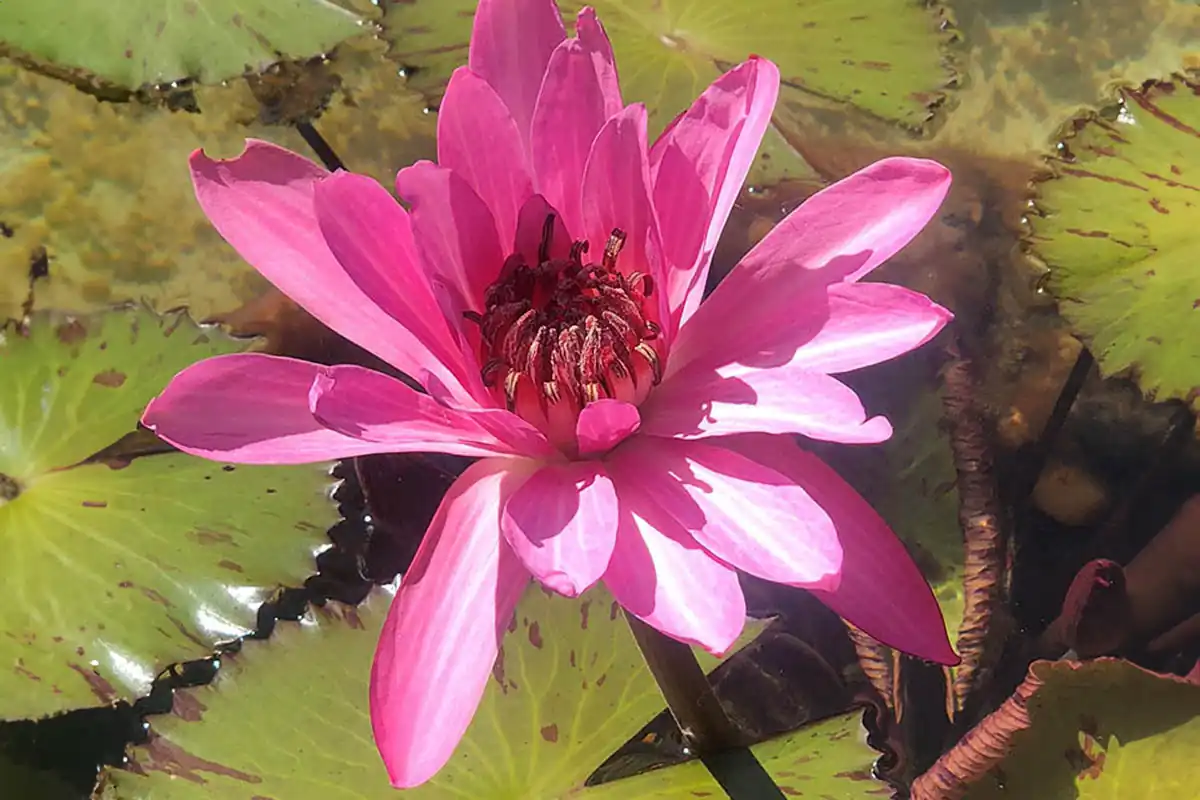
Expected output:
(1051, 437)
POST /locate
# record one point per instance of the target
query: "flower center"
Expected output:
(576, 331)
(9, 489)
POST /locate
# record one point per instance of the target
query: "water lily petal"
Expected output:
(370, 234)
(454, 232)
(368, 405)
(511, 43)
(881, 590)
(576, 99)
(869, 323)
(262, 203)
(743, 512)
(531, 230)
(605, 423)
(660, 575)
(443, 632)
(701, 402)
(698, 167)
(562, 524)
(839, 234)
(248, 408)
(616, 195)
(478, 139)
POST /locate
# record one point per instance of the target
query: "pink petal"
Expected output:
(661, 576)
(511, 43)
(454, 232)
(373, 407)
(579, 94)
(371, 236)
(478, 140)
(562, 524)
(839, 234)
(699, 165)
(262, 203)
(881, 590)
(603, 424)
(869, 323)
(743, 512)
(616, 195)
(701, 402)
(248, 408)
(531, 229)
(444, 629)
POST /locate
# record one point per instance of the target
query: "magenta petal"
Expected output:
(699, 165)
(444, 629)
(262, 203)
(881, 590)
(839, 234)
(478, 140)
(869, 323)
(248, 408)
(660, 575)
(511, 43)
(454, 232)
(371, 236)
(616, 195)
(368, 405)
(562, 524)
(531, 231)
(575, 100)
(702, 402)
(743, 512)
(605, 423)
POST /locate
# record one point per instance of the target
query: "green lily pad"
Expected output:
(138, 42)
(1094, 730)
(116, 567)
(884, 57)
(829, 758)
(569, 689)
(1116, 229)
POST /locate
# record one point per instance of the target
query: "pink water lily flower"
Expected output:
(544, 287)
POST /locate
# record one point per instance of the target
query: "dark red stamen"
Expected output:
(570, 327)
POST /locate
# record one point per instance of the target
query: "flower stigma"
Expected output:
(561, 333)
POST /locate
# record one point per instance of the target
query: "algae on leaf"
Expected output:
(118, 566)
(884, 57)
(1093, 730)
(570, 688)
(1116, 228)
(138, 42)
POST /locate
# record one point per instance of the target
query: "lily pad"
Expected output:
(1092, 730)
(830, 758)
(1115, 226)
(138, 42)
(116, 567)
(884, 57)
(570, 688)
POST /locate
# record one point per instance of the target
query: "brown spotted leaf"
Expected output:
(569, 688)
(115, 567)
(1102, 730)
(1116, 227)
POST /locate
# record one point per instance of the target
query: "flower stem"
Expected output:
(697, 710)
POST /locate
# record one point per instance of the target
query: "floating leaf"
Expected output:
(137, 42)
(884, 57)
(569, 689)
(1117, 232)
(116, 567)
(825, 759)
(1097, 729)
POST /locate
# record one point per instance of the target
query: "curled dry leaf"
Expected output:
(979, 515)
